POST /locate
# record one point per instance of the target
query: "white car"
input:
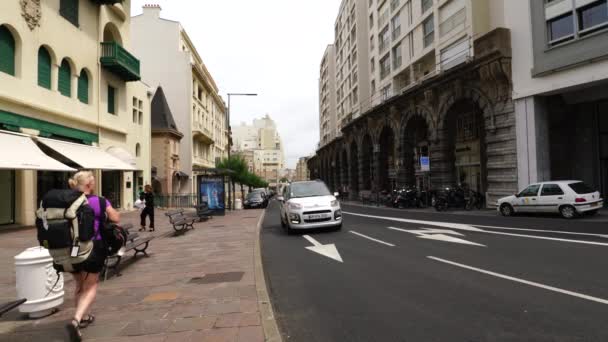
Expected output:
(309, 205)
(569, 198)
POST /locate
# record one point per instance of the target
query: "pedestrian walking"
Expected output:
(148, 197)
(86, 274)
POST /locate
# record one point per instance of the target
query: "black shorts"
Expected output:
(95, 262)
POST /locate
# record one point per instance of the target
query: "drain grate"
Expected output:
(218, 226)
(226, 277)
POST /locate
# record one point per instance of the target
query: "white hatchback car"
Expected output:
(569, 198)
(309, 205)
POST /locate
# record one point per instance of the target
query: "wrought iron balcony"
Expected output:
(119, 61)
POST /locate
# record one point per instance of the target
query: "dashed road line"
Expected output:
(372, 239)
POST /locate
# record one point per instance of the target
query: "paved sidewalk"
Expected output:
(199, 286)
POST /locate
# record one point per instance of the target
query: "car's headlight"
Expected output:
(334, 203)
(295, 206)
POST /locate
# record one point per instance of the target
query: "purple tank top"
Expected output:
(94, 203)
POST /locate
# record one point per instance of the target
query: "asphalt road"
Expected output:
(440, 277)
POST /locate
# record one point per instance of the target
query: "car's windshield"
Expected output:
(309, 189)
(581, 188)
(254, 195)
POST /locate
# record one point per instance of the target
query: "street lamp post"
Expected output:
(231, 193)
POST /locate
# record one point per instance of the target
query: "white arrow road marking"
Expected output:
(447, 238)
(329, 251)
(522, 281)
(438, 235)
(467, 227)
(371, 238)
(424, 231)
(458, 226)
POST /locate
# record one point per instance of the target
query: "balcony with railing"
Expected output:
(202, 133)
(119, 61)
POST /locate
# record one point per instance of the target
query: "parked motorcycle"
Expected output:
(458, 197)
(409, 198)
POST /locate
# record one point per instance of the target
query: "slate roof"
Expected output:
(162, 118)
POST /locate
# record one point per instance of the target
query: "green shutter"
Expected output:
(83, 87)
(44, 68)
(65, 76)
(111, 100)
(69, 10)
(7, 51)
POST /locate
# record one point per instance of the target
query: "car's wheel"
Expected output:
(338, 227)
(283, 224)
(567, 211)
(506, 210)
(290, 231)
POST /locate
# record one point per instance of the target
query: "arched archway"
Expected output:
(345, 169)
(465, 145)
(367, 152)
(415, 140)
(337, 171)
(386, 167)
(354, 168)
(111, 33)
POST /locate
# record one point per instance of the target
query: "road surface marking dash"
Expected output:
(371, 238)
(542, 231)
(523, 281)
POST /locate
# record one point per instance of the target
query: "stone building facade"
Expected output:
(462, 120)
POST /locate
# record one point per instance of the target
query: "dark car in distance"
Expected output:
(255, 199)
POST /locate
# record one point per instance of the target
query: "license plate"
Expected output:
(595, 204)
(317, 216)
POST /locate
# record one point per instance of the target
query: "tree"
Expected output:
(284, 180)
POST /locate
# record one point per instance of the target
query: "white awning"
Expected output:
(19, 152)
(88, 157)
(123, 155)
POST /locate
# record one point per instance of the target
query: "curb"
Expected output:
(269, 323)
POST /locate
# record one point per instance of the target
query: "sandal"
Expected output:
(85, 322)
(74, 331)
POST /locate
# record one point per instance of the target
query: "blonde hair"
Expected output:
(80, 180)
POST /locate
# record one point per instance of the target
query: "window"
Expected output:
(396, 26)
(426, 5)
(44, 68)
(429, 31)
(65, 79)
(83, 87)
(581, 188)
(593, 16)
(7, 51)
(371, 43)
(397, 56)
(386, 92)
(383, 40)
(137, 150)
(69, 10)
(530, 191)
(561, 28)
(373, 87)
(371, 20)
(385, 67)
(394, 4)
(551, 190)
(111, 100)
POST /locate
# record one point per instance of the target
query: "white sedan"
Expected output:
(309, 205)
(569, 198)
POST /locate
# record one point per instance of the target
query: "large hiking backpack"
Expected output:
(66, 227)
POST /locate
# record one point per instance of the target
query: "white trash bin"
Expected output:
(35, 280)
(238, 204)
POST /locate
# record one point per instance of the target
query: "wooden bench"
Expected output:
(6, 307)
(134, 243)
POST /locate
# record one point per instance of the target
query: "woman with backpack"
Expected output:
(148, 197)
(86, 274)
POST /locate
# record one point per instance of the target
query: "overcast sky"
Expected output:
(269, 47)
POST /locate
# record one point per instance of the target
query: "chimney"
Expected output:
(152, 9)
